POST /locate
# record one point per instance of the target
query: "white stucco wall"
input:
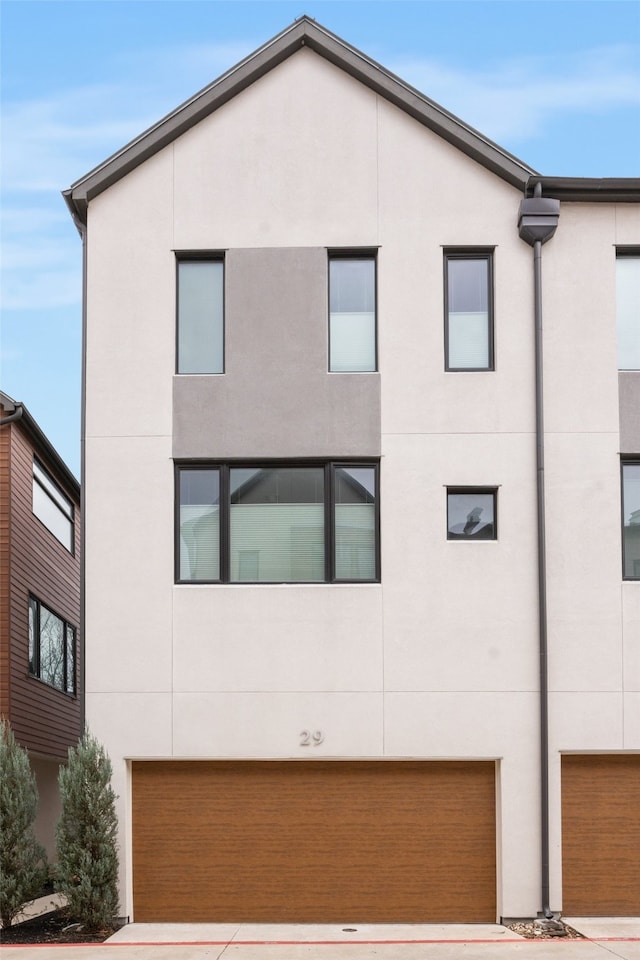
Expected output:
(440, 660)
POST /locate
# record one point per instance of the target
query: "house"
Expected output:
(362, 644)
(40, 643)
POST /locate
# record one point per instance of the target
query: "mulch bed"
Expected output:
(57, 927)
(544, 930)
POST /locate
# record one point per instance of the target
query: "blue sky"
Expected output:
(555, 82)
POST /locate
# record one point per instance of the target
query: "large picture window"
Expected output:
(628, 309)
(52, 507)
(631, 520)
(52, 647)
(277, 523)
(200, 315)
(468, 293)
(352, 314)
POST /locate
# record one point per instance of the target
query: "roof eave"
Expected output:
(42, 444)
(588, 189)
(303, 32)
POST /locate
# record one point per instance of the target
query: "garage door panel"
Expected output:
(314, 842)
(601, 835)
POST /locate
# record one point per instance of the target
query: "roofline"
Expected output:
(18, 412)
(302, 32)
(588, 189)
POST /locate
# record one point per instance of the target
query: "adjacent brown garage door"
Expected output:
(601, 835)
(314, 841)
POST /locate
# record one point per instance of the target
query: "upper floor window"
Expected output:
(200, 315)
(631, 520)
(52, 506)
(468, 309)
(52, 647)
(277, 523)
(628, 309)
(352, 313)
(471, 513)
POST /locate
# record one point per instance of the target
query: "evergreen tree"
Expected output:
(22, 859)
(87, 869)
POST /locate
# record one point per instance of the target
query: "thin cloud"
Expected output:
(40, 259)
(517, 100)
(50, 141)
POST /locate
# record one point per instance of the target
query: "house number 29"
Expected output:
(311, 738)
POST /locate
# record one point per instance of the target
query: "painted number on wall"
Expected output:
(311, 738)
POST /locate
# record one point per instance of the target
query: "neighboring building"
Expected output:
(312, 588)
(40, 674)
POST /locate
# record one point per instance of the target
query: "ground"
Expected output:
(60, 927)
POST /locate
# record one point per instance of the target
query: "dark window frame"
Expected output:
(224, 467)
(476, 489)
(35, 605)
(471, 253)
(199, 256)
(626, 461)
(353, 253)
(69, 514)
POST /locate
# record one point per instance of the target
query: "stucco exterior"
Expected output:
(440, 659)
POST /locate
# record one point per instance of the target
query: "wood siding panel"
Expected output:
(44, 719)
(5, 492)
(305, 842)
(601, 835)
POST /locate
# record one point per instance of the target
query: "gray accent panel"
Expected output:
(276, 398)
(629, 402)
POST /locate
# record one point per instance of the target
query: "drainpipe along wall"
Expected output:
(537, 223)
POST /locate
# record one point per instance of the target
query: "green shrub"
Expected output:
(87, 868)
(23, 869)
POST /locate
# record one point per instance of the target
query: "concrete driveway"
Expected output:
(606, 938)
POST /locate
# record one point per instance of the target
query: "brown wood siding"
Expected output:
(5, 487)
(45, 720)
(601, 835)
(305, 842)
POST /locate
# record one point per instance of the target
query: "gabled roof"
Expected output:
(302, 32)
(306, 32)
(14, 411)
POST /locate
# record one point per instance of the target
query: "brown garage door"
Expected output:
(314, 841)
(601, 835)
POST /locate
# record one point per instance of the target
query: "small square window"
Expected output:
(352, 314)
(468, 311)
(471, 513)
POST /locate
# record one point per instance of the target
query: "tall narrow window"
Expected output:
(199, 522)
(52, 646)
(200, 316)
(52, 507)
(628, 310)
(352, 314)
(355, 523)
(631, 520)
(468, 293)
